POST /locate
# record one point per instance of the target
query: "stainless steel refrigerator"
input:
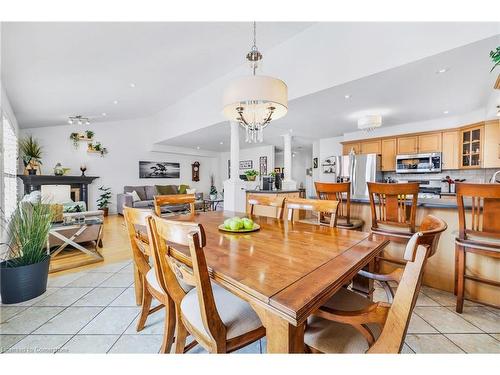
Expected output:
(358, 169)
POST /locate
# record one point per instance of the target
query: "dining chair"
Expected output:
(341, 192)
(319, 206)
(217, 319)
(479, 232)
(256, 200)
(393, 213)
(174, 199)
(351, 323)
(146, 283)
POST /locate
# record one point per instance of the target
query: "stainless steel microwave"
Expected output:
(419, 163)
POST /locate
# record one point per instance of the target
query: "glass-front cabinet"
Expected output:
(472, 147)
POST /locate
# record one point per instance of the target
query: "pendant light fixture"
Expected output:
(254, 101)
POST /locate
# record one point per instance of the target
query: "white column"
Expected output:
(288, 183)
(234, 188)
(235, 151)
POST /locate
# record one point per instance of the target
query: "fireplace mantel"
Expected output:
(34, 182)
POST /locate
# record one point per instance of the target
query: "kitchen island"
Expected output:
(440, 269)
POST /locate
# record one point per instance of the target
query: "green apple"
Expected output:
(247, 223)
(227, 223)
(235, 224)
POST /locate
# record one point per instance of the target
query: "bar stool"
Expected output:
(480, 235)
(340, 192)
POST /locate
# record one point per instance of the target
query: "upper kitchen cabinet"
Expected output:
(492, 144)
(388, 161)
(408, 145)
(429, 142)
(346, 148)
(471, 146)
(450, 143)
(371, 147)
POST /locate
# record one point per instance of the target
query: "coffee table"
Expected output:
(89, 230)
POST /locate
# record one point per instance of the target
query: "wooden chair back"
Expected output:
(192, 271)
(337, 191)
(315, 205)
(162, 200)
(389, 205)
(263, 200)
(483, 221)
(418, 249)
(136, 222)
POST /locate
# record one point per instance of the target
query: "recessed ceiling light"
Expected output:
(446, 112)
(104, 114)
(221, 143)
(131, 84)
(197, 147)
(115, 101)
(442, 70)
(347, 96)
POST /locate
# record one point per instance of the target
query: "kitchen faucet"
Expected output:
(494, 177)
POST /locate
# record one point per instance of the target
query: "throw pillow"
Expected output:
(166, 189)
(135, 196)
(190, 191)
(183, 188)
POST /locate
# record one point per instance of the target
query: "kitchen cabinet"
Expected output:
(429, 142)
(388, 160)
(450, 143)
(492, 144)
(471, 147)
(346, 148)
(408, 145)
(371, 147)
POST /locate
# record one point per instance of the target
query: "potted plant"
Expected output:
(213, 189)
(89, 134)
(31, 153)
(495, 58)
(104, 199)
(251, 174)
(23, 275)
(75, 137)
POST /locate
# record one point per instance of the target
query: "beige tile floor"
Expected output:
(94, 311)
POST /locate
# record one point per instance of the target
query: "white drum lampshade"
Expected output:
(255, 94)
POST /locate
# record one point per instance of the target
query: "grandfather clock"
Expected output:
(195, 169)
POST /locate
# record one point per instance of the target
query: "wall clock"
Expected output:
(195, 169)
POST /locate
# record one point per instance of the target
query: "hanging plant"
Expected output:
(495, 58)
(75, 137)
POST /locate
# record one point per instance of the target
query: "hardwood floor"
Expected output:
(116, 247)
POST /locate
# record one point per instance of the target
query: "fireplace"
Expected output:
(79, 184)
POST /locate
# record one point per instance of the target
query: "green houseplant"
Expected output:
(89, 134)
(213, 189)
(251, 174)
(495, 58)
(31, 153)
(104, 199)
(75, 137)
(24, 274)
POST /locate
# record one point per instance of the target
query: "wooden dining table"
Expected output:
(286, 270)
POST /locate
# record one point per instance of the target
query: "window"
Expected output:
(9, 164)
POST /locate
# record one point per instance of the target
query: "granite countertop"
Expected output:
(272, 191)
(425, 202)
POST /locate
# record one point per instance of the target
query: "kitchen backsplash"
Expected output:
(470, 175)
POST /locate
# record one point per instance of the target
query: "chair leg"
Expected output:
(180, 335)
(146, 305)
(138, 286)
(169, 329)
(455, 285)
(460, 279)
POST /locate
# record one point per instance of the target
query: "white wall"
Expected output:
(127, 143)
(246, 154)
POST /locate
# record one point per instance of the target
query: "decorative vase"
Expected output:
(58, 170)
(106, 211)
(19, 284)
(32, 172)
(213, 197)
(251, 178)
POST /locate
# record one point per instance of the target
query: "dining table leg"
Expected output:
(282, 336)
(363, 284)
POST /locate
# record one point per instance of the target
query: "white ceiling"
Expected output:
(52, 70)
(410, 93)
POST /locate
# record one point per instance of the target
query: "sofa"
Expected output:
(146, 194)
